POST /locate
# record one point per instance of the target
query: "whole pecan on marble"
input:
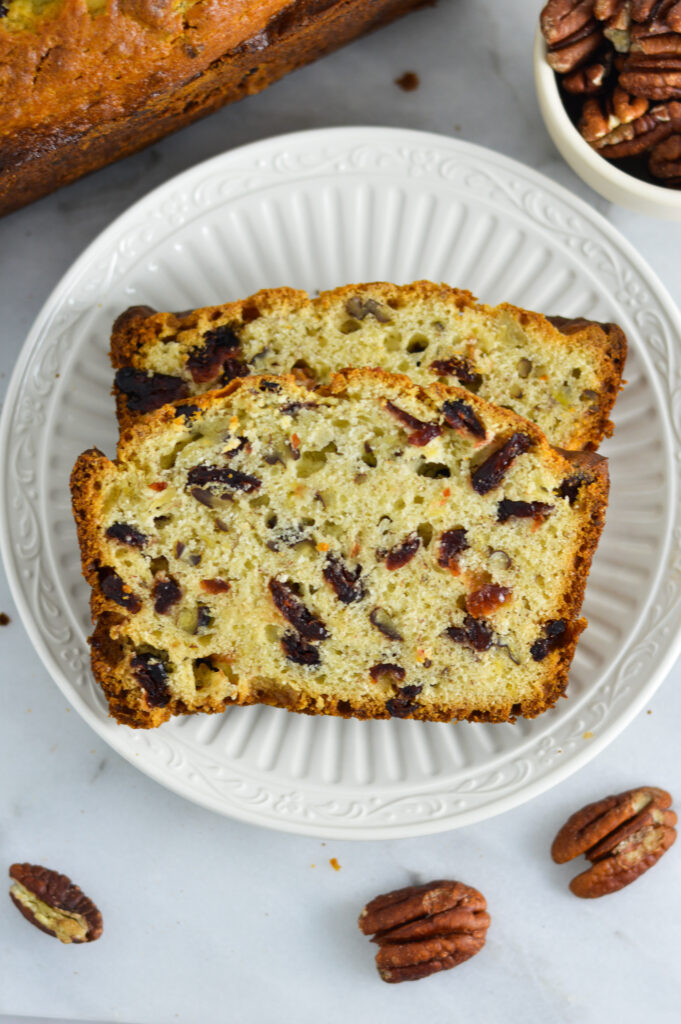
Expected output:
(53, 904)
(423, 929)
(623, 836)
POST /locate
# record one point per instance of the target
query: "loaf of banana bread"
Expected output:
(562, 374)
(371, 548)
(85, 82)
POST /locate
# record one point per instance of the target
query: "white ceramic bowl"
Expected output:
(601, 174)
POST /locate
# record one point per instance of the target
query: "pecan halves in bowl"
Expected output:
(423, 929)
(53, 904)
(621, 835)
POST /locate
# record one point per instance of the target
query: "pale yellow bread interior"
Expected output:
(304, 539)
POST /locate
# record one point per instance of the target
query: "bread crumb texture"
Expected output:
(372, 548)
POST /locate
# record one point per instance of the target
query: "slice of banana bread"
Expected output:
(562, 374)
(372, 549)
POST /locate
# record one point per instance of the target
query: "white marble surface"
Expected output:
(209, 920)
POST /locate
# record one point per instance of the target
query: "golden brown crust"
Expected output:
(613, 356)
(111, 658)
(88, 89)
(135, 333)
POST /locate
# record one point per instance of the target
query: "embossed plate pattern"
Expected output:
(315, 210)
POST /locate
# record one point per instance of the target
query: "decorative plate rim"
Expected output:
(354, 813)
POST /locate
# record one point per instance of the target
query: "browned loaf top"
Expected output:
(85, 82)
(372, 548)
(562, 374)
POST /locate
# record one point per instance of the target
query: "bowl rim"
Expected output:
(546, 82)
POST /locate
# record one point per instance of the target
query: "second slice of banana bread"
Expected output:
(562, 374)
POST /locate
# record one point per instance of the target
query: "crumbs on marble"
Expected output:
(408, 82)
(334, 863)
(588, 735)
(4, 619)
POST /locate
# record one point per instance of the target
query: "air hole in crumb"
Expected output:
(349, 326)
(425, 532)
(577, 373)
(169, 460)
(271, 521)
(433, 470)
(417, 343)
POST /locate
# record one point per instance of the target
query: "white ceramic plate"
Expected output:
(315, 210)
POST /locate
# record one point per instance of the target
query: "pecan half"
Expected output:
(423, 929)
(665, 158)
(622, 835)
(657, 76)
(604, 122)
(571, 32)
(53, 904)
(589, 80)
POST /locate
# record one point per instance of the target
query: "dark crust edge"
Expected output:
(126, 700)
(613, 357)
(134, 332)
(59, 892)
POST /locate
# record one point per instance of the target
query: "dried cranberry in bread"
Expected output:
(372, 548)
(562, 374)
